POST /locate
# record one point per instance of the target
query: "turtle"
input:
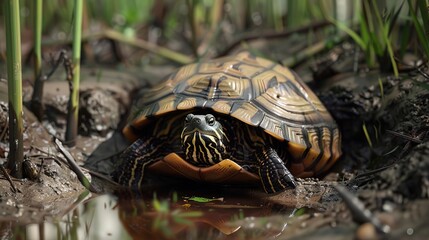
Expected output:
(234, 119)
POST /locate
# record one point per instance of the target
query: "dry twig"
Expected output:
(6, 174)
(406, 137)
(73, 166)
(359, 213)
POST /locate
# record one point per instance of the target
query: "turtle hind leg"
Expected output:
(133, 161)
(275, 177)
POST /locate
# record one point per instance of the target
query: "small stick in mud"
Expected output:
(58, 160)
(73, 166)
(72, 121)
(412, 141)
(359, 213)
(406, 137)
(272, 35)
(372, 172)
(102, 176)
(37, 106)
(419, 69)
(6, 174)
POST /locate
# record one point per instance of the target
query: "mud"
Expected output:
(53, 193)
(389, 168)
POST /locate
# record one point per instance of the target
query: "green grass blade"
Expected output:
(393, 20)
(364, 32)
(368, 138)
(377, 46)
(342, 26)
(424, 12)
(405, 38)
(384, 29)
(366, 37)
(380, 84)
(375, 132)
(368, 15)
(424, 41)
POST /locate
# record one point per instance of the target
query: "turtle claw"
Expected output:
(276, 180)
(275, 177)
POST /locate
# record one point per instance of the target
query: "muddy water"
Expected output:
(168, 215)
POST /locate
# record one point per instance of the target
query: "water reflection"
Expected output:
(197, 215)
(95, 218)
(226, 214)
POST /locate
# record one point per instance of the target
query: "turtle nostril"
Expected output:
(197, 120)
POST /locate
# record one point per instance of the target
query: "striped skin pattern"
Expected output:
(203, 140)
(267, 104)
(161, 137)
(273, 172)
(135, 159)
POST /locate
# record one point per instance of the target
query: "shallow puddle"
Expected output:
(167, 215)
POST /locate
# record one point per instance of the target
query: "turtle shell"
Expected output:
(257, 92)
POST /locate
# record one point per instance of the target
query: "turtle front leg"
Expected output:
(134, 160)
(274, 175)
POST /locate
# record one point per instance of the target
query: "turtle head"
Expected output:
(203, 140)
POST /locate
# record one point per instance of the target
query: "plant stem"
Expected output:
(216, 14)
(193, 24)
(272, 35)
(421, 30)
(36, 99)
(140, 43)
(310, 51)
(73, 106)
(13, 48)
(135, 42)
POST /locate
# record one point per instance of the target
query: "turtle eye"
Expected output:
(210, 119)
(189, 118)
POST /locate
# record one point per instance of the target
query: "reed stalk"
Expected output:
(36, 99)
(13, 49)
(193, 25)
(73, 106)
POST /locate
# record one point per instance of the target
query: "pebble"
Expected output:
(366, 231)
